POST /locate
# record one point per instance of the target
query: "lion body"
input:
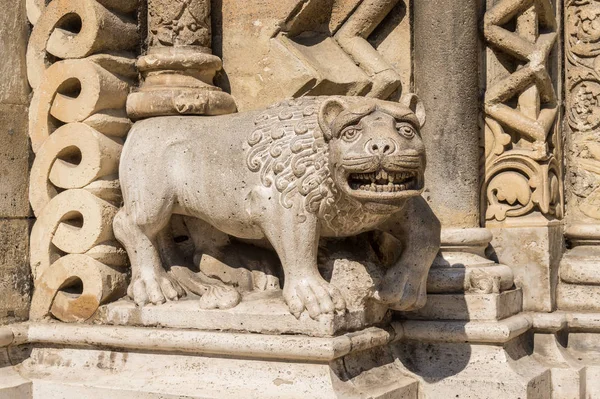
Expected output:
(225, 170)
(299, 171)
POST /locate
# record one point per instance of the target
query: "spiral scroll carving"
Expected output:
(77, 125)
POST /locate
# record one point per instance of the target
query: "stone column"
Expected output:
(447, 62)
(178, 68)
(15, 277)
(522, 185)
(579, 287)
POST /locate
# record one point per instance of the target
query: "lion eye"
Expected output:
(406, 130)
(350, 133)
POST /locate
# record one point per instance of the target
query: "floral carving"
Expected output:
(179, 22)
(582, 33)
(522, 174)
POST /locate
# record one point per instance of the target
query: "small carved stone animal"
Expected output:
(301, 170)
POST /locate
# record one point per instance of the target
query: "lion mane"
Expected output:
(288, 149)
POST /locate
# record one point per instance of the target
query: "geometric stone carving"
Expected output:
(72, 91)
(100, 283)
(95, 156)
(73, 222)
(77, 121)
(341, 59)
(316, 47)
(522, 174)
(77, 29)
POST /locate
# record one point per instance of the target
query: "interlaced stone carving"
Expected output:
(77, 124)
(522, 174)
(180, 22)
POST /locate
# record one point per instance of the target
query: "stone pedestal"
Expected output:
(70, 361)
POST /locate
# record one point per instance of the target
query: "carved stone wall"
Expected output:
(81, 67)
(220, 210)
(522, 193)
(523, 173)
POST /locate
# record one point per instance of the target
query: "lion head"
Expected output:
(329, 150)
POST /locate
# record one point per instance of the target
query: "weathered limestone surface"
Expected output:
(15, 279)
(265, 160)
(15, 286)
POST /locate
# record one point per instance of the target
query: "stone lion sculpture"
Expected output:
(302, 170)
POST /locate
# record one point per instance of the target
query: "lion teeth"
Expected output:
(383, 181)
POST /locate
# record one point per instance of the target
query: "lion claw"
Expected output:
(154, 288)
(314, 295)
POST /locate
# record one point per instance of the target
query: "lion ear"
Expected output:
(413, 102)
(330, 109)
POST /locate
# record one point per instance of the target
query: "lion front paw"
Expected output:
(313, 294)
(154, 287)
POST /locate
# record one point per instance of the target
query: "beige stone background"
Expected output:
(15, 216)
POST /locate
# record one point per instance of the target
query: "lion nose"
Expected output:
(381, 147)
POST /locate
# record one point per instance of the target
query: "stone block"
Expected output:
(470, 306)
(75, 361)
(15, 276)
(534, 260)
(264, 313)
(14, 161)
(14, 32)
(580, 298)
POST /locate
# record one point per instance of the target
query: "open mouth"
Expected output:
(383, 181)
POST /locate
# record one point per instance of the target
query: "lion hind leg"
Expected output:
(150, 283)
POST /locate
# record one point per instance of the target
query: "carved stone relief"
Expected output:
(315, 47)
(179, 23)
(522, 144)
(77, 124)
(280, 180)
(178, 67)
(582, 47)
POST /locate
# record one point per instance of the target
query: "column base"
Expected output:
(535, 260)
(179, 81)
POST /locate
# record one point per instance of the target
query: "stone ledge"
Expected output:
(574, 321)
(481, 307)
(289, 347)
(493, 332)
(263, 312)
